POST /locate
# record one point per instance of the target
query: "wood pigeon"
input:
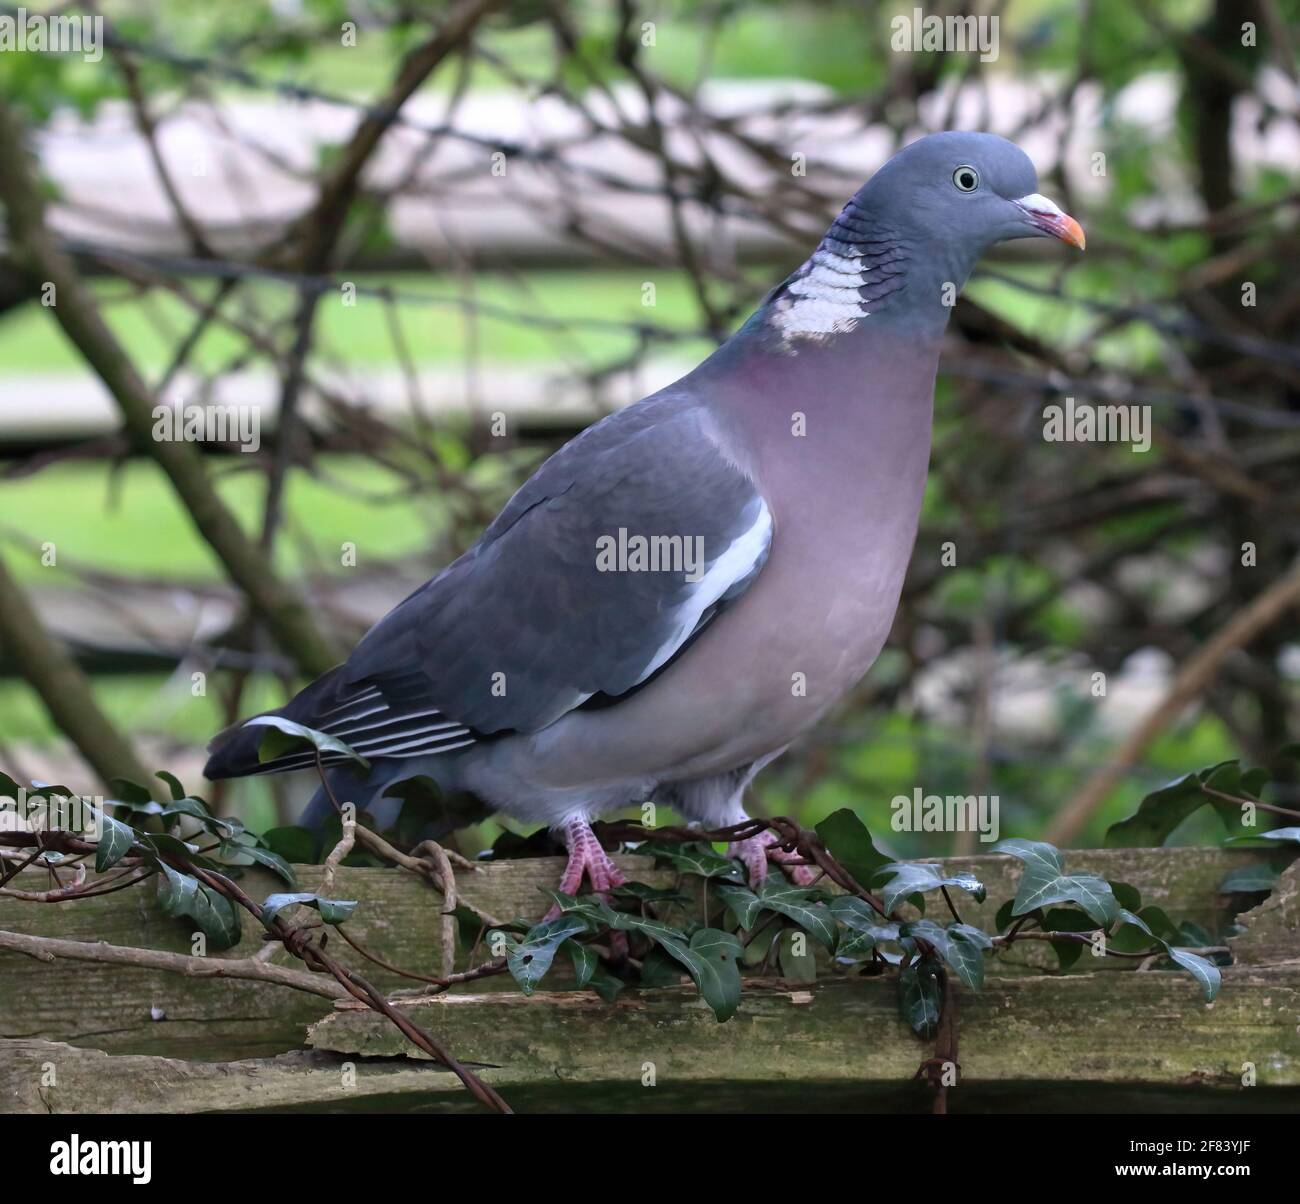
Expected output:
(690, 584)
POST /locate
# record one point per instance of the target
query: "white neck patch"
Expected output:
(823, 298)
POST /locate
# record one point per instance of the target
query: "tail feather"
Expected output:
(233, 751)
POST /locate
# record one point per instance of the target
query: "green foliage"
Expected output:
(1162, 811)
(530, 958)
(790, 901)
(904, 879)
(1075, 911)
(962, 946)
(1045, 882)
(115, 841)
(920, 996)
(845, 832)
(863, 928)
(699, 859)
(711, 957)
(285, 736)
(332, 911)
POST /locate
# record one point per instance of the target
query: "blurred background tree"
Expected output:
(418, 245)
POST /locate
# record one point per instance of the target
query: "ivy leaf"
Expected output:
(656, 930)
(744, 904)
(660, 970)
(962, 946)
(920, 997)
(864, 928)
(285, 735)
(591, 908)
(1249, 879)
(1160, 924)
(183, 896)
(699, 859)
(1132, 933)
(131, 793)
(273, 862)
(793, 903)
(1125, 895)
(216, 917)
(1205, 972)
(165, 842)
(1229, 778)
(332, 911)
(1158, 814)
(193, 807)
(468, 925)
(196, 808)
(530, 958)
(585, 963)
(790, 901)
(52, 788)
(908, 878)
(847, 839)
(1044, 882)
(759, 946)
(970, 934)
(1291, 834)
(967, 961)
(1091, 893)
(172, 783)
(296, 845)
(1128, 917)
(606, 985)
(1161, 811)
(796, 967)
(649, 894)
(712, 959)
(1192, 934)
(115, 840)
(176, 891)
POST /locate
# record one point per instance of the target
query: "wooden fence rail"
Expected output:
(91, 1035)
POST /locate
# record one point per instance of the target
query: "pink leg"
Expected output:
(587, 857)
(753, 854)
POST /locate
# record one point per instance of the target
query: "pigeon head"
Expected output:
(970, 190)
(909, 238)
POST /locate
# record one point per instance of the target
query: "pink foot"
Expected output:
(754, 852)
(587, 857)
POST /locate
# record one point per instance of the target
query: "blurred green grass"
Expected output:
(440, 334)
(127, 520)
(360, 335)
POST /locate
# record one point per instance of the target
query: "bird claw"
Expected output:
(586, 859)
(753, 854)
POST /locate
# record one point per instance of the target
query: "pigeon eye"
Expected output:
(966, 178)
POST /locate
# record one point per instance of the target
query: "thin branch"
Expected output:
(49, 949)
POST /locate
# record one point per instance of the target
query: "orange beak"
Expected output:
(1049, 218)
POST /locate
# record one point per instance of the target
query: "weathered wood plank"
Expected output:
(1150, 1027)
(839, 1044)
(50, 1076)
(124, 1009)
(1271, 931)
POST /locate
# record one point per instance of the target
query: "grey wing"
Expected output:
(551, 609)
